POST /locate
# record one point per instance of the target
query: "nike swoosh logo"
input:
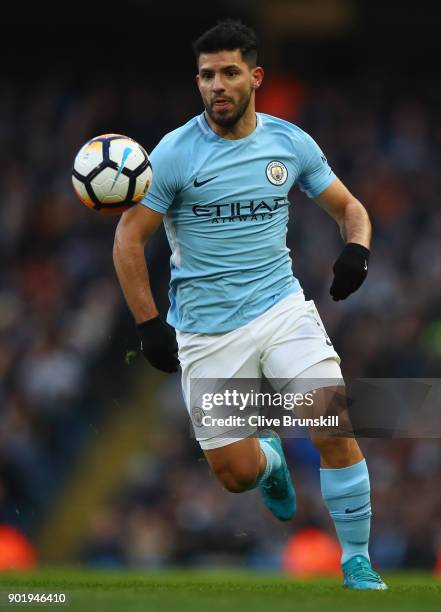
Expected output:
(125, 155)
(350, 511)
(200, 183)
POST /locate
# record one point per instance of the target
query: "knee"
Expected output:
(237, 478)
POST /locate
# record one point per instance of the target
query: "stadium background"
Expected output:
(96, 463)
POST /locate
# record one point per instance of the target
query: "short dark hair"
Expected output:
(228, 35)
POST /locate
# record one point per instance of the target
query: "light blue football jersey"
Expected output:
(226, 211)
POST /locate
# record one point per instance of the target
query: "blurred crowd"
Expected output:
(61, 311)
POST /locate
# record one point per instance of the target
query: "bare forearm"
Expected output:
(348, 212)
(355, 225)
(131, 269)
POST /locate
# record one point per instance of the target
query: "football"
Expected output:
(111, 173)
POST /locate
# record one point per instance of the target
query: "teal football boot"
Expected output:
(358, 574)
(278, 491)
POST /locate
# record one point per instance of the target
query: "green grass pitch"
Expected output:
(216, 591)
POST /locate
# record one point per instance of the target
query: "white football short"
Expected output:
(288, 341)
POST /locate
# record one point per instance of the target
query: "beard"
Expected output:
(230, 118)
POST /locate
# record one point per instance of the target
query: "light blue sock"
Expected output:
(346, 492)
(273, 460)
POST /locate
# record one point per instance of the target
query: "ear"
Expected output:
(257, 77)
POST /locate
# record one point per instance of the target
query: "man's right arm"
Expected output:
(158, 341)
(135, 227)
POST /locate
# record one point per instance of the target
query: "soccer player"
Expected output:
(220, 186)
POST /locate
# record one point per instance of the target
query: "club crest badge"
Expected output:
(197, 414)
(276, 172)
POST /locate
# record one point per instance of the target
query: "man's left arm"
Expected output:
(350, 269)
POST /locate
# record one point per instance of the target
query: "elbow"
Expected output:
(355, 209)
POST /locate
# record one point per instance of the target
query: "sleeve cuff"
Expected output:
(318, 189)
(155, 204)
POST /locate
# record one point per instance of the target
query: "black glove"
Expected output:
(350, 270)
(158, 344)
